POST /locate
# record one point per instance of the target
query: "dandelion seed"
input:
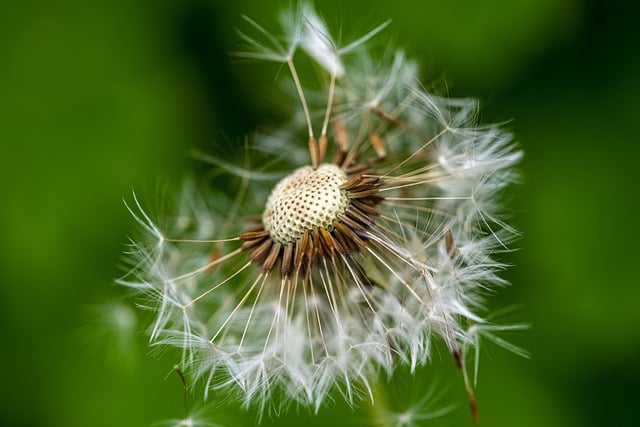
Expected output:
(381, 240)
(196, 419)
(414, 414)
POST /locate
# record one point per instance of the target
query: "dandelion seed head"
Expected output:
(381, 238)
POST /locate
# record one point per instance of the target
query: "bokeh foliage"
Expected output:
(99, 98)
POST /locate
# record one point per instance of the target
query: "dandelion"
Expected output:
(379, 238)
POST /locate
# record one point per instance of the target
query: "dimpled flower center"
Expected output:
(304, 200)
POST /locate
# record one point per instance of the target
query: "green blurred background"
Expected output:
(99, 98)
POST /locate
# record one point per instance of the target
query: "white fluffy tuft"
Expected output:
(423, 274)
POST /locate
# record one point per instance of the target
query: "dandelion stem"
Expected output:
(473, 404)
(305, 107)
(178, 371)
(332, 87)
